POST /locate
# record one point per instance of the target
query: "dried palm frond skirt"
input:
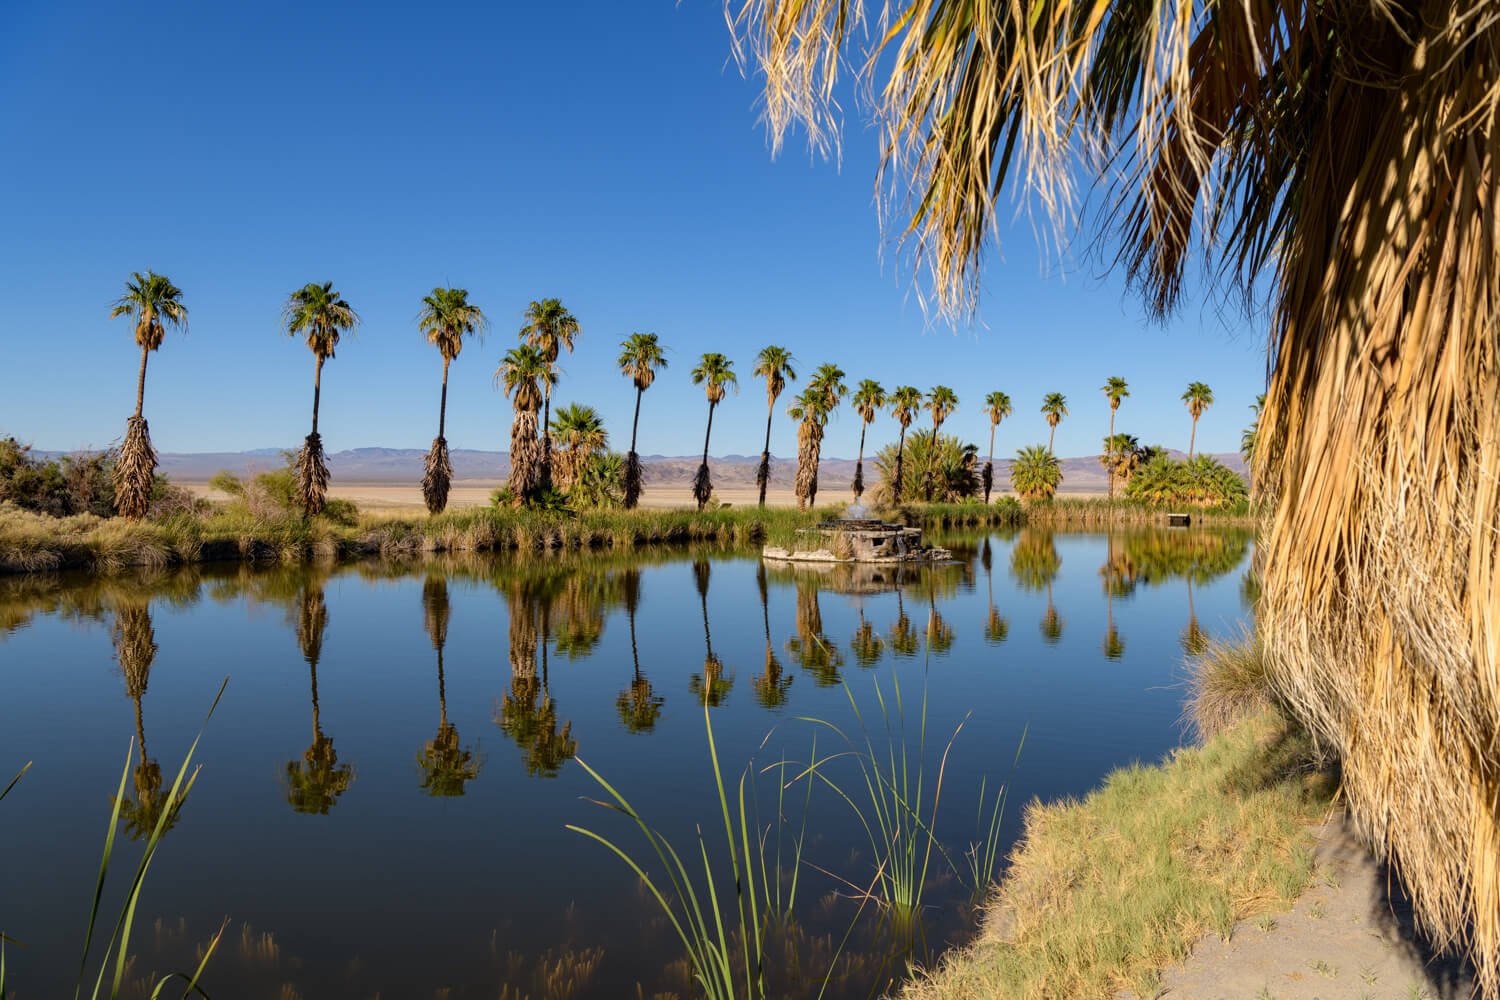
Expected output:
(437, 477)
(312, 475)
(703, 485)
(135, 470)
(632, 482)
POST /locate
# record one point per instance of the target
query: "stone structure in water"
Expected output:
(855, 538)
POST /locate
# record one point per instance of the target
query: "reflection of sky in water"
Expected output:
(397, 890)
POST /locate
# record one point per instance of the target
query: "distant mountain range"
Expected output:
(396, 466)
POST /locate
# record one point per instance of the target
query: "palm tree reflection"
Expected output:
(773, 683)
(527, 714)
(814, 651)
(1118, 575)
(446, 765)
(1034, 563)
(639, 706)
(134, 639)
(315, 782)
(710, 687)
(996, 626)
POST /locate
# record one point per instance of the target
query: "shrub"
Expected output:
(1201, 482)
(76, 484)
(955, 475)
(1036, 473)
(598, 484)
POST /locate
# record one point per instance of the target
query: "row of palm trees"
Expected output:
(529, 373)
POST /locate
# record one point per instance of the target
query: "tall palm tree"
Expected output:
(321, 315)
(941, 401)
(447, 317)
(868, 400)
(550, 328)
(1198, 398)
(905, 401)
(997, 405)
(1248, 439)
(1115, 390)
(526, 375)
(715, 373)
(580, 434)
(774, 364)
(154, 303)
(1339, 156)
(1054, 408)
(825, 389)
(446, 765)
(641, 357)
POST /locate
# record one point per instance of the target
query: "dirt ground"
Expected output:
(1350, 936)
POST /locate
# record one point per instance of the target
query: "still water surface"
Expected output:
(387, 781)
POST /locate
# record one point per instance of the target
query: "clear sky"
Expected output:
(605, 152)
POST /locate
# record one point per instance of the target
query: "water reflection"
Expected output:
(314, 783)
(574, 631)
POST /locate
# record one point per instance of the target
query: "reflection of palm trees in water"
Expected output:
(904, 639)
(446, 765)
(1034, 563)
(639, 706)
(814, 651)
(1119, 579)
(528, 715)
(939, 633)
(867, 645)
(996, 626)
(772, 684)
(315, 782)
(710, 687)
(1194, 640)
(134, 640)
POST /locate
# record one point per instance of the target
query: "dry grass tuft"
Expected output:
(437, 477)
(312, 475)
(1227, 684)
(135, 470)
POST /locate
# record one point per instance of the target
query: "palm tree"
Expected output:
(315, 782)
(639, 706)
(904, 401)
(580, 434)
(941, 401)
(154, 303)
(1035, 473)
(1249, 435)
(868, 400)
(321, 315)
(1115, 390)
(526, 375)
(446, 765)
(825, 389)
(1363, 203)
(1198, 398)
(447, 317)
(1054, 408)
(550, 328)
(1122, 456)
(774, 364)
(641, 357)
(714, 372)
(997, 405)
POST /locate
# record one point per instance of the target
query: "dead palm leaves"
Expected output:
(135, 470)
(312, 476)
(437, 477)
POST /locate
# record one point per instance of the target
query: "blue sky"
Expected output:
(607, 153)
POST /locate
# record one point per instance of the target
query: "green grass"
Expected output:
(1099, 512)
(1106, 892)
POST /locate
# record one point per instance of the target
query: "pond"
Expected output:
(388, 783)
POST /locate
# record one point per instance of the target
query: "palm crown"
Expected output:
(941, 401)
(905, 401)
(153, 302)
(580, 427)
(550, 327)
(321, 314)
(774, 364)
(869, 399)
(828, 381)
(716, 373)
(525, 373)
(1055, 406)
(1115, 389)
(447, 317)
(641, 357)
(997, 405)
(1198, 398)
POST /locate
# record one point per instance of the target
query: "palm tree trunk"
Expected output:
(927, 483)
(989, 465)
(317, 388)
(859, 464)
(703, 487)
(443, 406)
(763, 474)
(1109, 448)
(632, 460)
(1050, 437)
(1193, 438)
(546, 479)
(442, 693)
(140, 384)
(900, 463)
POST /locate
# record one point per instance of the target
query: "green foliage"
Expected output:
(273, 495)
(1036, 473)
(75, 484)
(598, 484)
(955, 472)
(1202, 481)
